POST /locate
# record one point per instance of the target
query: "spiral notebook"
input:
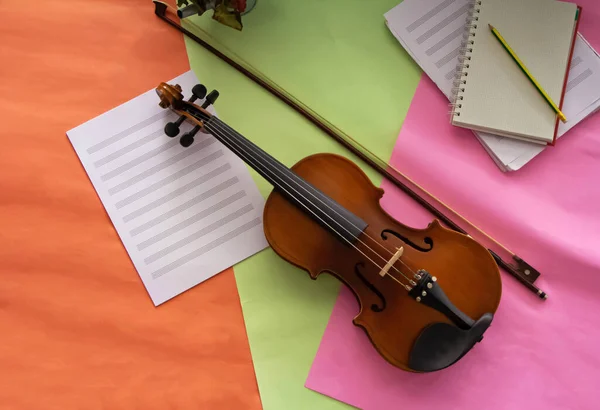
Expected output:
(491, 93)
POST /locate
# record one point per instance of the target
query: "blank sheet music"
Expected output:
(183, 214)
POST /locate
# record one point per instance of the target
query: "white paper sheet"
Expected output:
(183, 214)
(431, 31)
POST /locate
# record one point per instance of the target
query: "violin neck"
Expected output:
(321, 208)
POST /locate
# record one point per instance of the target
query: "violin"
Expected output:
(426, 296)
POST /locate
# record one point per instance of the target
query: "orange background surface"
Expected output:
(77, 328)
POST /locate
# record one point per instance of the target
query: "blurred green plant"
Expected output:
(227, 12)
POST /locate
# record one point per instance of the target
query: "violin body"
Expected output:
(390, 317)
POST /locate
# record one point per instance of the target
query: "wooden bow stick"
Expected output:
(518, 268)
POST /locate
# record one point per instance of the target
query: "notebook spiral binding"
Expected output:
(465, 51)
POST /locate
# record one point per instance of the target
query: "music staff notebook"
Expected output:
(491, 93)
(183, 214)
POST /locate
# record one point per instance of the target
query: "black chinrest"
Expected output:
(441, 344)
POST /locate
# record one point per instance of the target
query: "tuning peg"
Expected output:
(172, 128)
(187, 139)
(199, 91)
(210, 98)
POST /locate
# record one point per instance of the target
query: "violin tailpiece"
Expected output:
(429, 292)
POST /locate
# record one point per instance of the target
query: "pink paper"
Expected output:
(537, 354)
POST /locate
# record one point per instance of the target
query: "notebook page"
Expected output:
(183, 214)
(582, 99)
(409, 20)
(497, 96)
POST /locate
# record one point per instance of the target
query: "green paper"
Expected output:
(339, 58)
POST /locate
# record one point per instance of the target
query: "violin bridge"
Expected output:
(391, 262)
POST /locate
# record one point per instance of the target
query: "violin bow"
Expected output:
(518, 268)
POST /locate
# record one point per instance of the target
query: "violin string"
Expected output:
(216, 124)
(300, 181)
(406, 287)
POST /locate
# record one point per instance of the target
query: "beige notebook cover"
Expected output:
(491, 92)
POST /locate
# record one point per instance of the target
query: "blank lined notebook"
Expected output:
(491, 92)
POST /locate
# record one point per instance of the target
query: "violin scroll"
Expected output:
(168, 94)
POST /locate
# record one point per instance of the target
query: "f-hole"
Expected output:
(374, 307)
(427, 240)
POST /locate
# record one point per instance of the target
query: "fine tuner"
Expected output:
(426, 296)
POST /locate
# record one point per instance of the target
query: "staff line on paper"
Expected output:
(159, 167)
(579, 79)
(200, 215)
(128, 148)
(428, 16)
(199, 234)
(177, 210)
(125, 133)
(450, 75)
(445, 41)
(448, 58)
(443, 24)
(168, 180)
(139, 160)
(206, 248)
(176, 193)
